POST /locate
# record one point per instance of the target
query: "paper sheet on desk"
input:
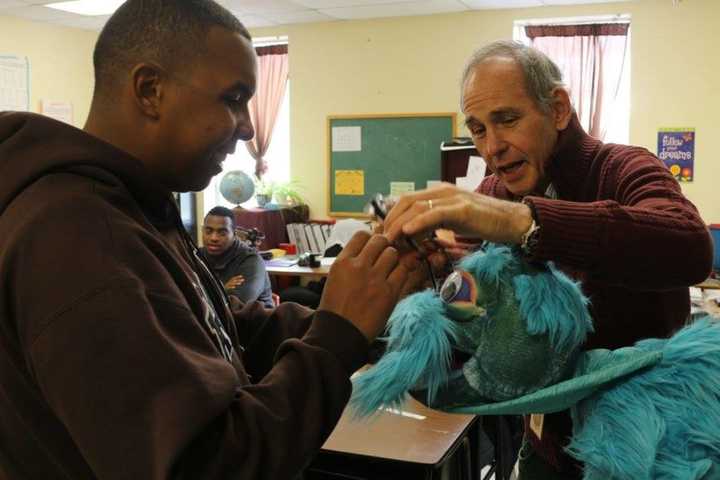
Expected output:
(279, 262)
(704, 301)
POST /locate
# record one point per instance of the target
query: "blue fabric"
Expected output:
(661, 423)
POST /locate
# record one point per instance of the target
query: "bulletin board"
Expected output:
(369, 154)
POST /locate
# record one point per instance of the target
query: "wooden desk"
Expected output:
(414, 441)
(297, 271)
(709, 284)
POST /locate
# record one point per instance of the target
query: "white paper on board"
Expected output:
(347, 139)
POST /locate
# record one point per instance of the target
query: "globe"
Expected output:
(237, 187)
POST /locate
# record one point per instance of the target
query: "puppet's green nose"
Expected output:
(465, 312)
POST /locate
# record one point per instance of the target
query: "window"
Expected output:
(613, 81)
(278, 158)
(277, 155)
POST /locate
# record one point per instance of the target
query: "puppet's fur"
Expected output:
(660, 422)
(418, 353)
(663, 423)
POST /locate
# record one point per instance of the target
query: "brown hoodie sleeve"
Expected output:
(262, 330)
(121, 359)
(144, 394)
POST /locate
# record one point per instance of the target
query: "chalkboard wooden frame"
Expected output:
(330, 157)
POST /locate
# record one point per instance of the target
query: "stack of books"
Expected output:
(309, 237)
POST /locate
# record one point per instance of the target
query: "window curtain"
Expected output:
(272, 79)
(591, 59)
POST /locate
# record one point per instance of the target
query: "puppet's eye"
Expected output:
(451, 287)
(459, 287)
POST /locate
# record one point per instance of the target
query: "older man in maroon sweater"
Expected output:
(120, 358)
(612, 216)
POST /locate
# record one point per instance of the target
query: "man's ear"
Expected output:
(561, 108)
(148, 82)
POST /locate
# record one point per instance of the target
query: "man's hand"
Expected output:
(235, 281)
(365, 282)
(465, 213)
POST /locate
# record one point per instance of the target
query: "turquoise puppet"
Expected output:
(505, 337)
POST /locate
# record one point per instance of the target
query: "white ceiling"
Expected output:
(264, 13)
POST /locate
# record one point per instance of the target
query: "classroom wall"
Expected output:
(60, 62)
(413, 64)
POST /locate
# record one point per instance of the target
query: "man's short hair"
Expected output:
(222, 212)
(541, 74)
(167, 32)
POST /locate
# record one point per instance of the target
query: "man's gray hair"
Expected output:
(541, 73)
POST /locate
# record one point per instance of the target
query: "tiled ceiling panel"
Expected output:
(500, 4)
(253, 21)
(40, 14)
(263, 13)
(254, 7)
(11, 3)
(572, 2)
(304, 16)
(396, 9)
(320, 4)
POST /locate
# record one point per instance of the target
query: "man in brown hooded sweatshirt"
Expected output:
(119, 356)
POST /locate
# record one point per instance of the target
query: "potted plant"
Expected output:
(263, 191)
(286, 193)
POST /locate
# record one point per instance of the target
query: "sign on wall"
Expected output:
(676, 148)
(62, 111)
(14, 83)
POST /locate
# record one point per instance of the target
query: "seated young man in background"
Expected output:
(238, 265)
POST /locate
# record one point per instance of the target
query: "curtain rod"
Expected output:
(619, 18)
(268, 41)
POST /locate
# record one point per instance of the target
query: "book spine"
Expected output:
(319, 237)
(310, 237)
(291, 233)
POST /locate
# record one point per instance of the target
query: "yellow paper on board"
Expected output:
(349, 182)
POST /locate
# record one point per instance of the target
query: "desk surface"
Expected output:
(414, 434)
(709, 284)
(297, 271)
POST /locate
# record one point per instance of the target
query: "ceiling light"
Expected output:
(88, 7)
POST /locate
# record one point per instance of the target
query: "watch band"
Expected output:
(530, 239)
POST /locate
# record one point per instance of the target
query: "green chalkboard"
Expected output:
(392, 148)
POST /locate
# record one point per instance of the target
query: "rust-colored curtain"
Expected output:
(591, 58)
(272, 79)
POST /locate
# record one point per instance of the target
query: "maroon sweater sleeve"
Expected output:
(640, 232)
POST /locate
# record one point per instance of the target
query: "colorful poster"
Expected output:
(676, 148)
